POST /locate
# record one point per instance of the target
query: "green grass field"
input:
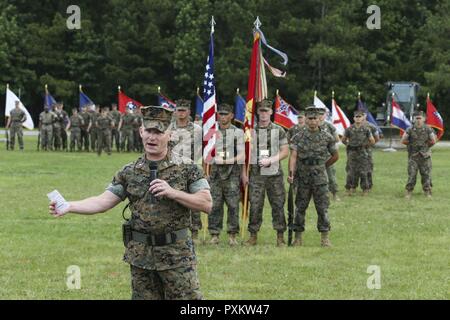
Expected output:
(408, 240)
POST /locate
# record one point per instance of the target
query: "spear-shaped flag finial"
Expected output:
(257, 23)
(213, 23)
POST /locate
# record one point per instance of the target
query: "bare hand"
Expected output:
(265, 162)
(161, 188)
(52, 210)
(290, 179)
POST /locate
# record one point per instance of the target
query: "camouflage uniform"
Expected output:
(115, 134)
(136, 135)
(18, 117)
(84, 129)
(64, 137)
(58, 127)
(224, 181)
(292, 132)
(104, 125)
(331, 170)
(273, 183)
(127, 132)
(313, 150)
(46, 119)
(358, 163)
(419, 156)
(76, 122)
(94, 130)
(376, 136)
(187, 141)
(160, 251)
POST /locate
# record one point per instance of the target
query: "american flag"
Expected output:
(209, 106)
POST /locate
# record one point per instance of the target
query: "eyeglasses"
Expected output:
(312, 118)
(358, 116)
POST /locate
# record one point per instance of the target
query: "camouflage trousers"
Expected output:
(138, 146)
(418, 163)
(57, 139)
(196, 221)
(224, 191)
(13, 131)
(94, 138)
(115, 139)
(174, 284)
(47, 137)
(103, 141)
(370, 173)
(358, 168)
(332, 183)
(85, 139)
(321, 200)
(75, 137)
(128, 138)
(274, 186)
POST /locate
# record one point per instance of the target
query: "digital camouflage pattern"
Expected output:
(313, 150)
(58, 127)
(18, 117)
(179, 284)
(137, 123)
(419, 156)
(76, 122)
(84, 129)
(292, 132)
(187, 141)
(376, 136)
(169, 271)
(104, 126)
(225, 180)
(331, 170)
(94, 130)
(358, 160)
(115, 134)
(264, 180)
(46, 119)
(127, 132)
(165, 216)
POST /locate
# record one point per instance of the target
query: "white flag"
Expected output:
(339, 119)
(11, 99)
(319, 104)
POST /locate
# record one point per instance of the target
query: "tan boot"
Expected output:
(232, 240)
(428, 194)
(408, 194)
(350, 192)
(298, 242)
(252, 240)
(365, 193)
(280, 239)
(324, 240)
(214, 239)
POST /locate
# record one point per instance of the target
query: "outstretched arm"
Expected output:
(101, 203)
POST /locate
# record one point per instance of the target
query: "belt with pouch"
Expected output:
(161, 239)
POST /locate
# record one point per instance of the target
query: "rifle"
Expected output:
(290, 213)
(7, 138)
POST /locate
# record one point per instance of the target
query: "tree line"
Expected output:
(141, 45)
